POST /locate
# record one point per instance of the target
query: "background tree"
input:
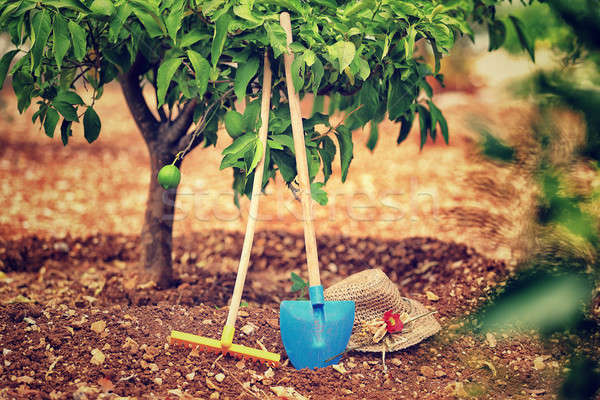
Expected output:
(200, 56)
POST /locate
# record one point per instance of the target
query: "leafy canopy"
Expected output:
(361, 53)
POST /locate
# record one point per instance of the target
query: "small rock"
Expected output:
(25, 379)
(153, 367)
(158, 381)
(397, 362)
(350, 364)
(490, 339)
(211, 385)
(269, 373)
(214, 395)
(98, 326)
(207, 322)
(273, 322)
(190, 376)
(439, 373)
(340, 368)
(151, 352)
(243, 313)
(427, 371)
(61, 247)
(249, 329)
(98, 357)
(538, 363)
(431, 296)
(240, 364)
(220, 377)
(131, 345)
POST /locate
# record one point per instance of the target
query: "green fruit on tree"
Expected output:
(234, 123)
(169, 177)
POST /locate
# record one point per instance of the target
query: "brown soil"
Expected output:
(47, 344)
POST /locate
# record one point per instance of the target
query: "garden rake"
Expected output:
(225, 345)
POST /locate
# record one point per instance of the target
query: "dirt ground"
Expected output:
(76, 323)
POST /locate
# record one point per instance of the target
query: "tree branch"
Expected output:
(130, 85)
(182, 123)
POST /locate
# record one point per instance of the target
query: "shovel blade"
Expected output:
(313, 332)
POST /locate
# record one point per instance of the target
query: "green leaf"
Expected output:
(219, 37)
(409, 42)
(424, 123)
(78, 39)
(68, 96)
(231, 160)
(497, 34)
(400, 96)
(165, 74)
(295, 278)
(65, 131)
(244, 74)
(41, 26)
(286, 164)
(277, 38)
(438, 117)
(192, 37)
(173, 23)
(102, 7)
(523, 38)
(406, 123)
(117, 22)
(318, 194)
(314, 162)
(72, 4)
(60, 38)
(50, 122)
(240, 144)
(5, 65)
(201, 69)
(327, 152)
(67, 110)
(284, 140)
(297, 71)
(91, 125)
(344, 52)
(373, 136)
(317, 75)
(344, 137)
(148, 16)
(258, 153)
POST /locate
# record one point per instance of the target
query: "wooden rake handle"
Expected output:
(310, 240)
(265, 105)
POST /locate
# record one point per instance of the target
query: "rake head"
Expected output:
(217, 346)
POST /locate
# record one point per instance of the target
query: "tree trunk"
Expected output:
(164, 139)
(157, 233)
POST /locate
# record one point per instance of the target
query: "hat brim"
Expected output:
(413, 333)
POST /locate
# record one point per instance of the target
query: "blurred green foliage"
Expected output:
(554, 288)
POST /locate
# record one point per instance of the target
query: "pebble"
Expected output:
(269, 373)
(249, 329)
(214, 395)
(98, 357)
(98, 326)
(190, 376)
(158, 381)
(427, 371)
(220, 377)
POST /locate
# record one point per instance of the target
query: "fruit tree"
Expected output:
(199, 57)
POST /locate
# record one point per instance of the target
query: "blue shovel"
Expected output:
(312, 331)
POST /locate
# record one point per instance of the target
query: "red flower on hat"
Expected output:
(393, 322)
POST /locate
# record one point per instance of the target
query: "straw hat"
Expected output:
(375, 294)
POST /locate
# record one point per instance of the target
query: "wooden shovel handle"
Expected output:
(310, 240)
(265, 105)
